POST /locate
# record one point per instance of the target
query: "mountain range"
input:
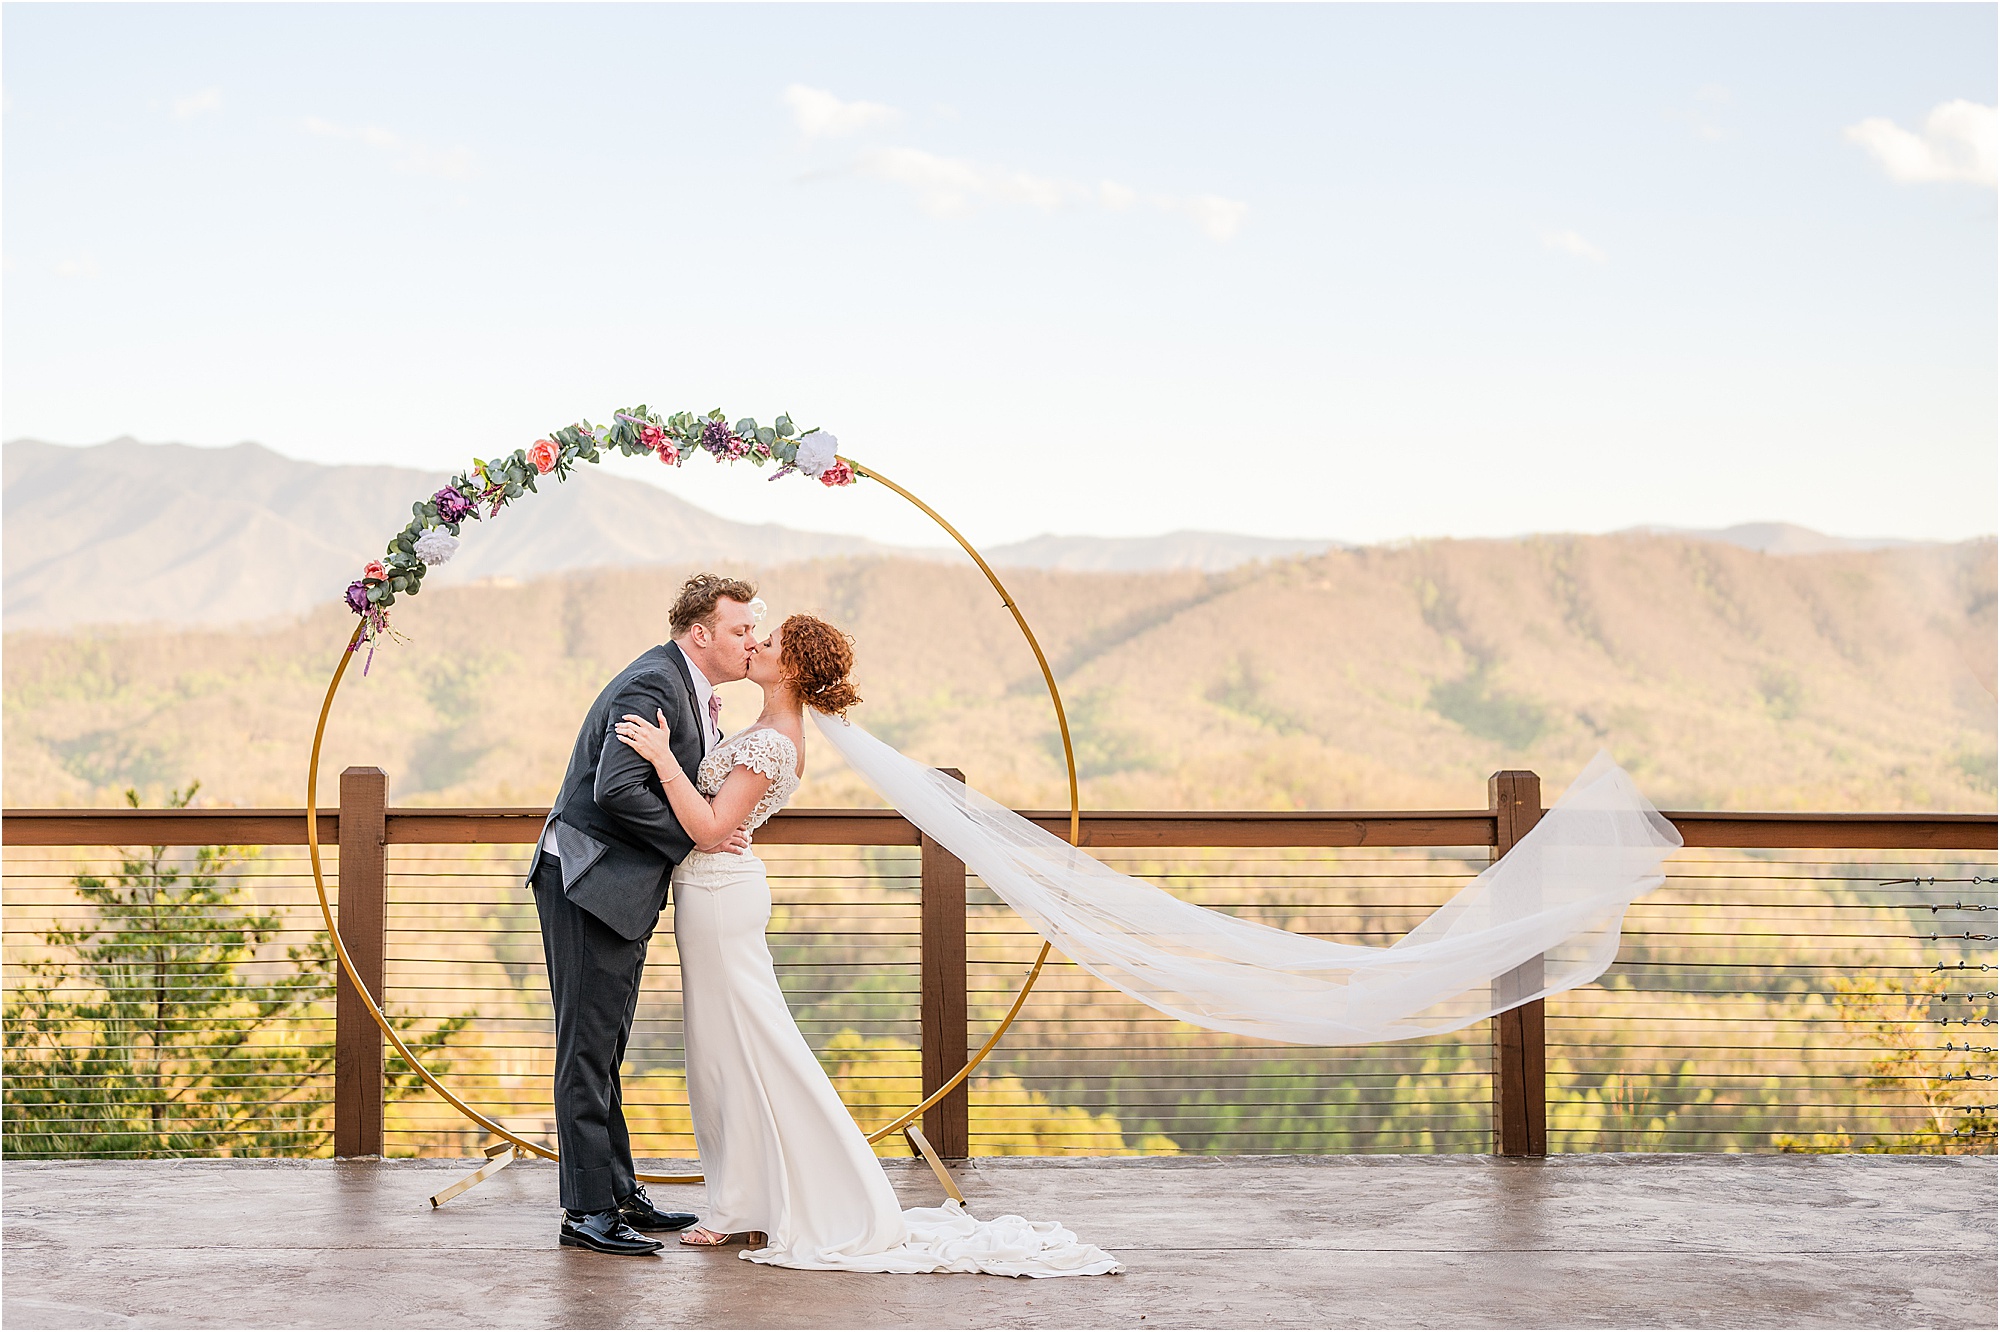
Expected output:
(127, 532)
(1374, 678)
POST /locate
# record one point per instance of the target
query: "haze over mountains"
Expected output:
(150, 532)
(1357, 679)
(127, 532)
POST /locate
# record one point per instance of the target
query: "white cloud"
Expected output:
(81, 266)
(953, 186)
(1115, 198)
(411, 157)
(957, 187)
(1960, 142)
(950, 187)
(1704, 118)
(1568, 242)
(187, 108)
(821, 115)
(1221, 218)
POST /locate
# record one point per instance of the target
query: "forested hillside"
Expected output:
(1370, 678)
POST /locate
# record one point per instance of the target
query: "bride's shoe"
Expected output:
(703, 1238)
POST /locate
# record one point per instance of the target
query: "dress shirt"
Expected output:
(711, 736)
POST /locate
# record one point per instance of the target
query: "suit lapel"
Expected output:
(680, 661)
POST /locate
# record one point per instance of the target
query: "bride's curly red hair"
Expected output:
(816, 658)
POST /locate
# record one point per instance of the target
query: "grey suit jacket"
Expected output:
(618, 837)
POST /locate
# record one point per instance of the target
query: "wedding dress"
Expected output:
(780, 1152)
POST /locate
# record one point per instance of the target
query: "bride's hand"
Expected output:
(651, 741)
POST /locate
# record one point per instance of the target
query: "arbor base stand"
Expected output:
(920, 1146)
(498, 1157)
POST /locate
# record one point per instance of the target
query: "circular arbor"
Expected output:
(480, 494)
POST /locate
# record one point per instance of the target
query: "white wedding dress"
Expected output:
(780, 1152)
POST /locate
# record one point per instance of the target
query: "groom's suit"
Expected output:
(615, 842)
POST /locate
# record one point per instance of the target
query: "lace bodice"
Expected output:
(762, 750)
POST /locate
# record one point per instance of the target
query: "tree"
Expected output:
(138, 1035)
(1891, 1019)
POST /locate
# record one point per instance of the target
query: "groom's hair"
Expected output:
(699, 597)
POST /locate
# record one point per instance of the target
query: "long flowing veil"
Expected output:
(1559, 895)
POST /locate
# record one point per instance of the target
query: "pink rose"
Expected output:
(840, 474)
(651, 435)
(669, 455)
(377, 571)
(542, 454)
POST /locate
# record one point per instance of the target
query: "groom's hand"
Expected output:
(735, 844)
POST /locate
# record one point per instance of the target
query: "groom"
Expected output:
(601, 877)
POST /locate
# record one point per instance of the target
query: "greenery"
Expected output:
(140, 1031)
(1892, 1020)
(499, 482)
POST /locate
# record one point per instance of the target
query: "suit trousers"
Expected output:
(594, 976)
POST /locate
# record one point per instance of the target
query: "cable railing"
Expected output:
(1816, 989)
(1768, 998)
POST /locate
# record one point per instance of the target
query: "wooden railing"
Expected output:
(364, 825)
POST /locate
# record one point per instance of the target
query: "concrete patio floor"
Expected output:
(1387, 1241)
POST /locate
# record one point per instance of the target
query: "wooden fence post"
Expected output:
(357, 1058)
(948, 1123)
(1520, 1054)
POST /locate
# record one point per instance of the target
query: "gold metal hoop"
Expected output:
(521, 1144)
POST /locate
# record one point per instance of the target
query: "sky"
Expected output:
(1357, 272)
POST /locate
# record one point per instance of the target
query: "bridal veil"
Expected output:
(1559, 895)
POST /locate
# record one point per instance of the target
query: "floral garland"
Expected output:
(430, 538)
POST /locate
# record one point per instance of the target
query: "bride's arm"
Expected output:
(708, 822)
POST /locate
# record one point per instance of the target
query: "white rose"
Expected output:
(436, 547)
(816, 453)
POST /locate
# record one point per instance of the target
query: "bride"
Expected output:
(787, 1170)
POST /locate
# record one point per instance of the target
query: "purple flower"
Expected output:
(718, 438)
(452, 506)
(357, 597)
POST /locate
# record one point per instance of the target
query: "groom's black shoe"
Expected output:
(605, 1232)
(639, 1213)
